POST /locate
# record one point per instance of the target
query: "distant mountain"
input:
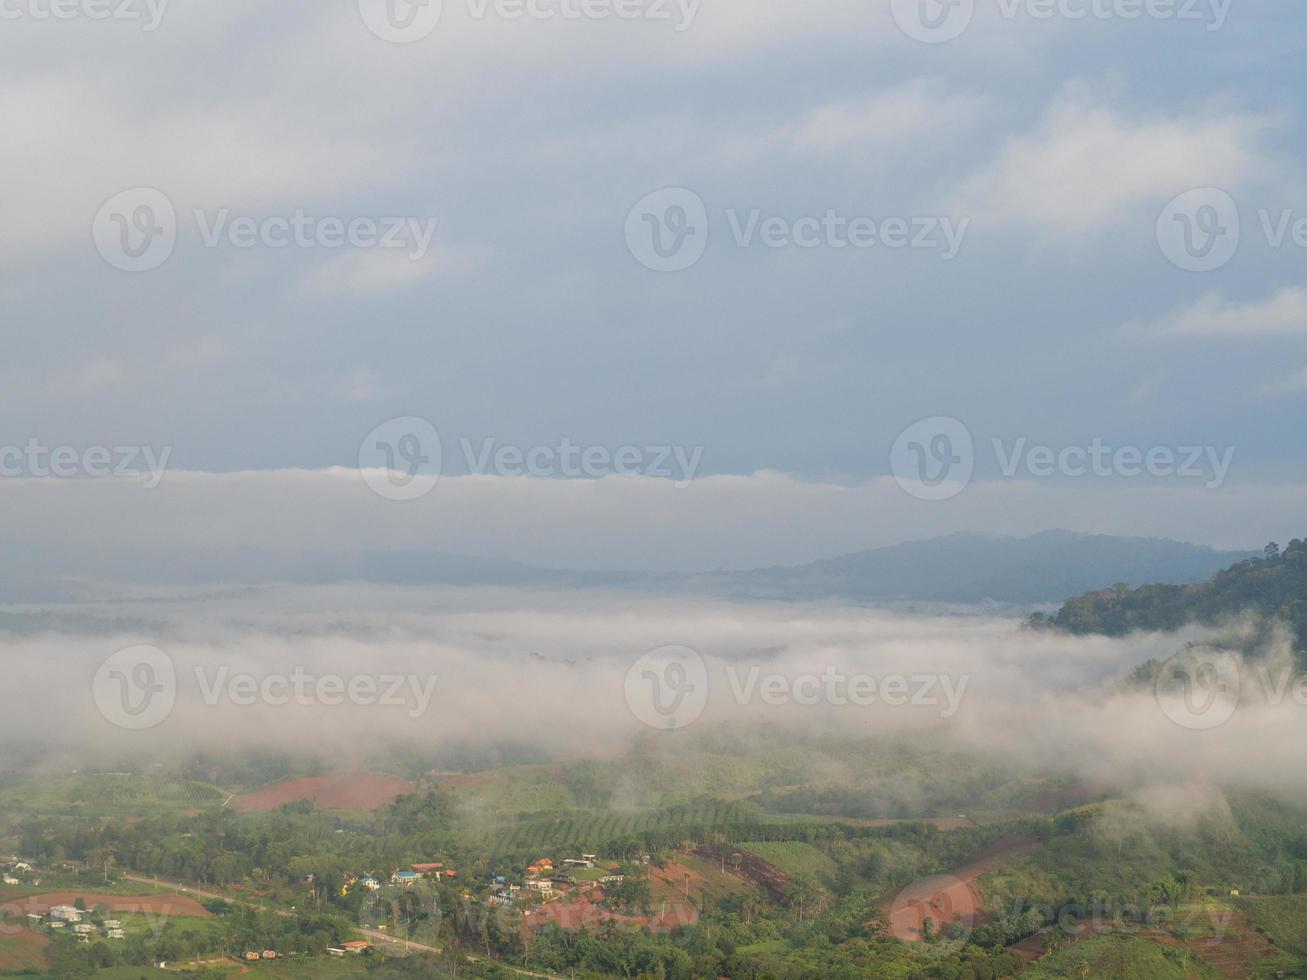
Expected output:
(960, 568)
(974, 568)
(1272, 586)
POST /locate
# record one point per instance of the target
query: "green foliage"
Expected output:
(1272, 588)
(1121, 958)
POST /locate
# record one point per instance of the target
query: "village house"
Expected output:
(370, 883)
(65, 913)
(405, 878)
(612, 879)
(11, 880)
(355, 946)
(542, 885)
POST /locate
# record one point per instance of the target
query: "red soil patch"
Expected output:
(339, 791)
(943, 898)
(162, 904)
(947, 823)
(670, 882)
(22, 949)
(582, 911)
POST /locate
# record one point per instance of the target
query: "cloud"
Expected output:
(1284, 314)
(1086, 165)
(494, 657)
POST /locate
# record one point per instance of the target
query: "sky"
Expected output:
(798, 278)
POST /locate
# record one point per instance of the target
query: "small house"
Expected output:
(405, 878)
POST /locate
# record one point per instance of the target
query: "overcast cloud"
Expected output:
(528, 321)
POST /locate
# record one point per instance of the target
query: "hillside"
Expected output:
(1045, 567)
(958, 568)
(1272, 587)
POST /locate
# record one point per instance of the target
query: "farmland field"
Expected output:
(1282, 918)
(1122, 958)
(21, 950)
(339, 791)
(795, 858)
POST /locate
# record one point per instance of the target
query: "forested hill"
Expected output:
(1273, 586)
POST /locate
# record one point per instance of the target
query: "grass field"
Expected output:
(795, 858)
(1111, 957)
(109, 793)
(1283, 919)
(21, 949)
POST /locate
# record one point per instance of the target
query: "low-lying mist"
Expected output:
(564, 674)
